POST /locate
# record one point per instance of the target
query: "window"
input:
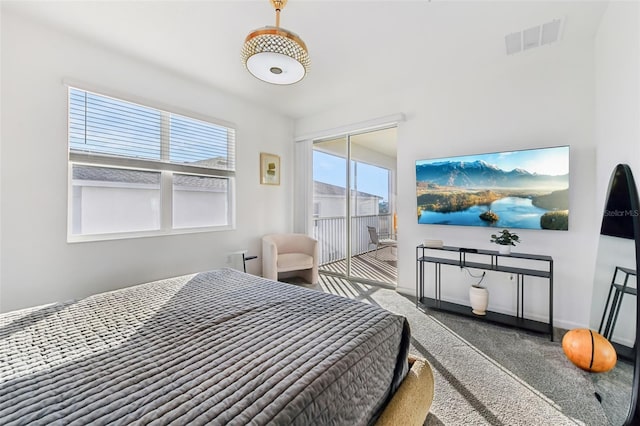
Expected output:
(370, 189)
(137, 170)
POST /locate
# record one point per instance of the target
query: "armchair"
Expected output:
(290, 254)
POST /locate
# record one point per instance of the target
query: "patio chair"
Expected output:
(374, 239)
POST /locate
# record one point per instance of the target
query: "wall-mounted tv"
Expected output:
(511, 189)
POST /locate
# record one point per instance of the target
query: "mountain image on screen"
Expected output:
(518, 189)
(482, 174)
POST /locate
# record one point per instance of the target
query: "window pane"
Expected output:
(200, 201)
(200, 144)
(370, 189)
(329, 181)
(103, 125)
(108, 200)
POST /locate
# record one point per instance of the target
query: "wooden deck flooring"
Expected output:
(383, 269)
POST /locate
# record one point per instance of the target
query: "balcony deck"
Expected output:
(345, 288)
(382, 269)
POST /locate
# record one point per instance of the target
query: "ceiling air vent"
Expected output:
(529, 38)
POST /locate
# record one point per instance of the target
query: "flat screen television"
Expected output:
(512, 189)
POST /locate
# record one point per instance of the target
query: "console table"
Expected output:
(488, 260)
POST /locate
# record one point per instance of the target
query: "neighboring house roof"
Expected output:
(321, 188)
(107, 174)
(213, 163)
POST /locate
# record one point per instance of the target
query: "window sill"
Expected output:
(145, 234)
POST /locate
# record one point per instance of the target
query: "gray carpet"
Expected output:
(542, 364)
(515, 378)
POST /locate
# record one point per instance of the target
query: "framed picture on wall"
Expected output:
(269, 169)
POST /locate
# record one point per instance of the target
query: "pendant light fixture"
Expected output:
(276, 55)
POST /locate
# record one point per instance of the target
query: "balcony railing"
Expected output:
(331, 231)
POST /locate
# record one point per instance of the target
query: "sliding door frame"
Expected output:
(348, 201)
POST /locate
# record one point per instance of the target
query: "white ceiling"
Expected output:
(356, 47)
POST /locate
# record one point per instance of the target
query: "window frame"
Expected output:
(165, 168)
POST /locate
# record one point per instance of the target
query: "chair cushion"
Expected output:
(294, 261)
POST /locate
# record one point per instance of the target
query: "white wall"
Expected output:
(38, 265)
(617, 135)
(617, 71)
(545, 99)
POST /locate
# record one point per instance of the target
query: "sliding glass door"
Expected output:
(329, 203)
(356, 173)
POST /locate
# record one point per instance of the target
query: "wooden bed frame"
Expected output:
(411, 403)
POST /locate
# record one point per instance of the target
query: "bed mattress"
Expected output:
(218, 347)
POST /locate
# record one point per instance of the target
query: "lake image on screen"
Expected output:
(517, 189)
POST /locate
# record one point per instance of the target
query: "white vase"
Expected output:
(479, 298)
(504, 249)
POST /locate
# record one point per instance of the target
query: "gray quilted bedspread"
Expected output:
(219, 347)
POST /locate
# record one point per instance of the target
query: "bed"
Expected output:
(218, 347)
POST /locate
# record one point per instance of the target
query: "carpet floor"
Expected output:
(484, 372)
(543, 365)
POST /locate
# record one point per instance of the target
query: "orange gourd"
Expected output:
(589, 350)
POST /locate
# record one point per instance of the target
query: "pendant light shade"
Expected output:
(276, 55)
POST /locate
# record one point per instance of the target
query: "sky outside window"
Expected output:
(330, 169)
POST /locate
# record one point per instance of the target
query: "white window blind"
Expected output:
(101, 125)
(118, 153)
